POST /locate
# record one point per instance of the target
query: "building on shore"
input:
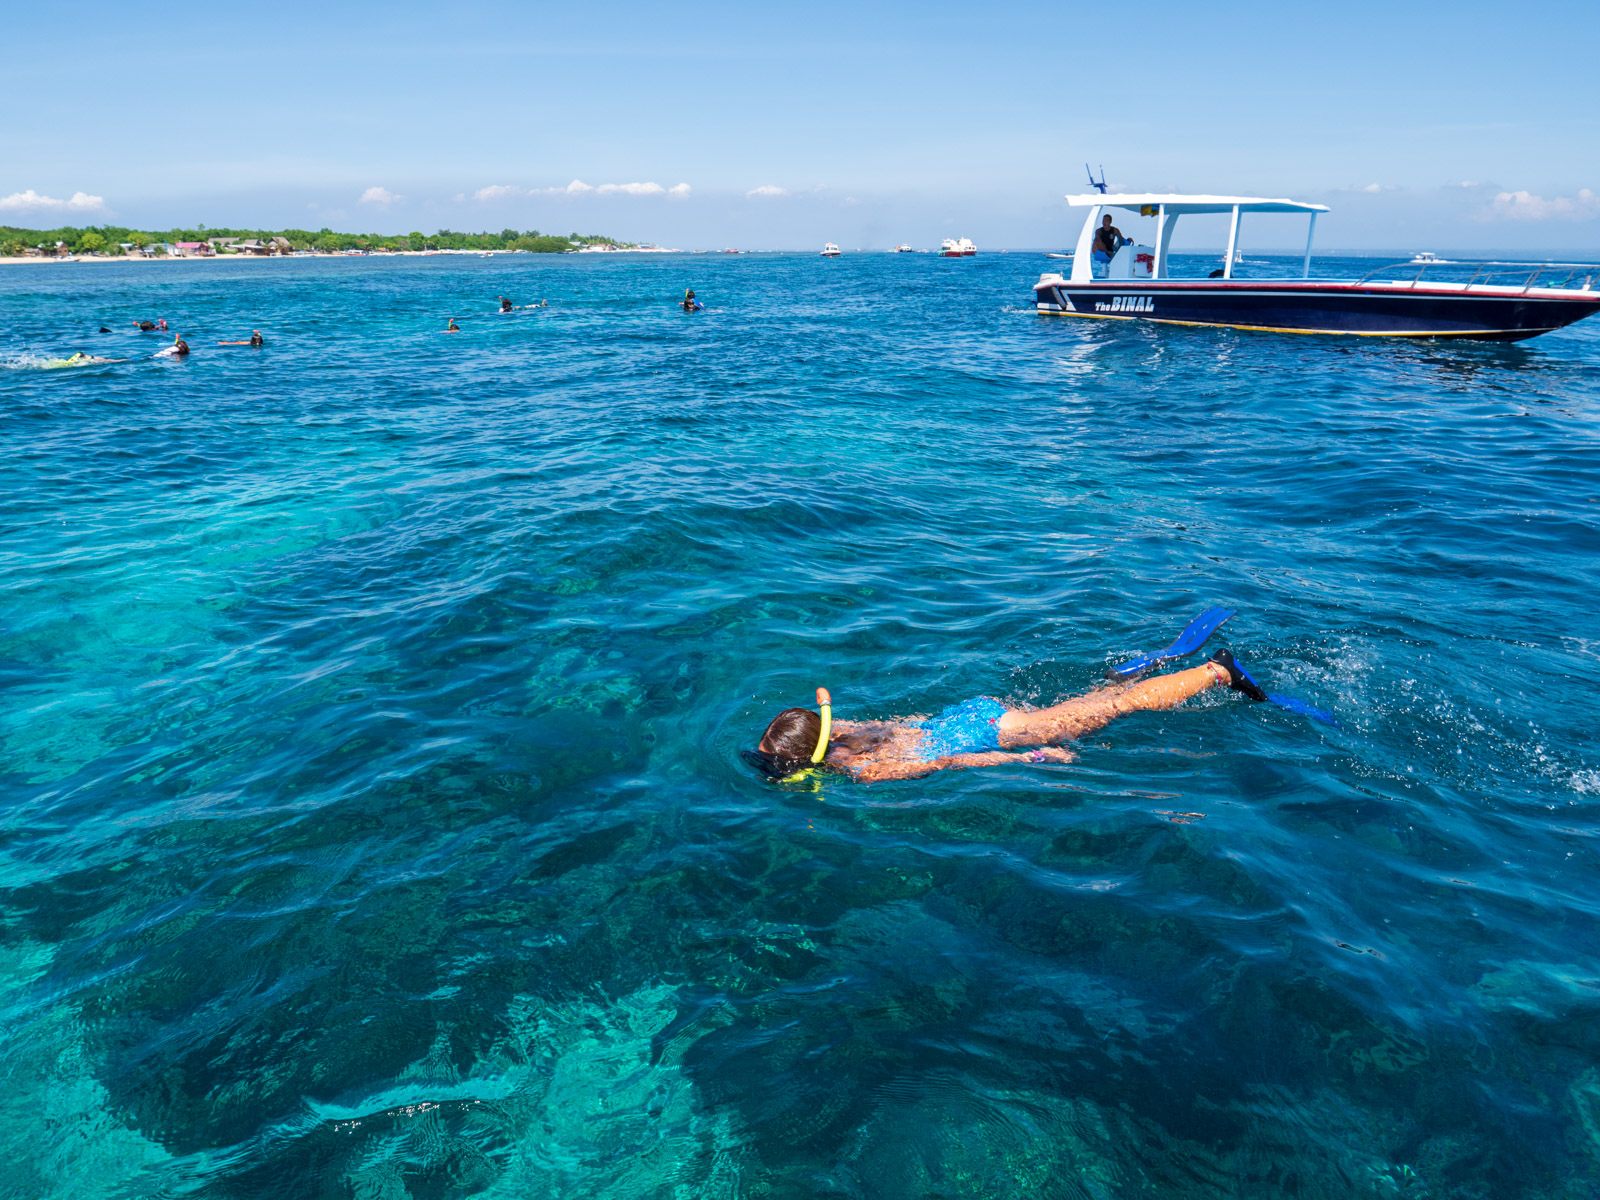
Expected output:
(272, 245)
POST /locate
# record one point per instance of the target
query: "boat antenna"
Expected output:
(1093, 182)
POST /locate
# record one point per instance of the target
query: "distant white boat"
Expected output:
(902, 248)
(957, 248)
(1057, 254)
(1429, 258)
(830, 251)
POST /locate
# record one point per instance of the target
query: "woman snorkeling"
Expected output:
(981, 732)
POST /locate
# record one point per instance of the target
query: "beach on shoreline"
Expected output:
(30, 260)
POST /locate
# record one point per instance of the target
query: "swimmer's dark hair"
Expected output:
(788, 743)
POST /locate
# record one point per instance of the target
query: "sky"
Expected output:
(1443, 126)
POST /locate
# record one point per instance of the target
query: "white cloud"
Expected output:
(379, 195)
(504, 191)
(1372, 189)
(766, 191)
(32, 201)
(1528, 206)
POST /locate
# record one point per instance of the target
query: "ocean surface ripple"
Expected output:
(371, 816)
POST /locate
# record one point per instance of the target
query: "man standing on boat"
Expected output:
(1108, 240)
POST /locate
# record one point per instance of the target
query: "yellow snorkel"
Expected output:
(825, 705)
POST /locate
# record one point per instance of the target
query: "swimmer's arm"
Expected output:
(880, 772)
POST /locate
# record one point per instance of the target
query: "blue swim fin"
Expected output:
(1242, 681)
(1290, 704)
(1194, 636)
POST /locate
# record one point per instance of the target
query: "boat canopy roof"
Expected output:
(1176, 203)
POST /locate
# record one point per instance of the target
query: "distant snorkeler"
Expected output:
(452, 327)
(984, 732)
(80, 359)
(505, 304)
(690, 304)
(180, 348)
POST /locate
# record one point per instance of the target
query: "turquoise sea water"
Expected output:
(373, 823)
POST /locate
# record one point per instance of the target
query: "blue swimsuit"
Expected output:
(966, 728)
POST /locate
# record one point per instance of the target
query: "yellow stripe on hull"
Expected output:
(1044, 312)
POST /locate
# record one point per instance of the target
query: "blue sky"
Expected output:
(1425, 125)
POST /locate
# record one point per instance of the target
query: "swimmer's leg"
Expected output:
(1084, 714)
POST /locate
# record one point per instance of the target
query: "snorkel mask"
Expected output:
(764, 763)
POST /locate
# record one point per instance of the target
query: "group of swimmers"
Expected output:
(180, 346)
(178, 349)
(689, 304)
(506, 306)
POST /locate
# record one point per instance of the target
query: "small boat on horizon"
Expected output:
(1133, 283)
(1430, 259)
(829, 250)
(902, 248)
(957, 248)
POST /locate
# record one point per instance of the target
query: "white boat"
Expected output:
(1134, 283)
(1427, 258)
(830, 251)
(902, 248)
(957, 248)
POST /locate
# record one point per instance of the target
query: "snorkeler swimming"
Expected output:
(983, 732)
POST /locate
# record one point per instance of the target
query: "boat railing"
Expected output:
(1520, 276)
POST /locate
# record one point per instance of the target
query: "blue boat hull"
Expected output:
(1301, 306)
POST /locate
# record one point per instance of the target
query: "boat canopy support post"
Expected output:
(1233, 244)
(1311, 232)
(1165, 224)
(1083, 256)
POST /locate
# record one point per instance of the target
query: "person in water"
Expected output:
(981, 732)
(255, 338)
(505, 304)
(690, 304)
(162, 324)
(179, 347)
(452, 327)
(1108, 240)
(145, 326)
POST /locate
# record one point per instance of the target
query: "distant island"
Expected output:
(116, 241)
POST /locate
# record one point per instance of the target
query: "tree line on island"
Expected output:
(117, 240)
